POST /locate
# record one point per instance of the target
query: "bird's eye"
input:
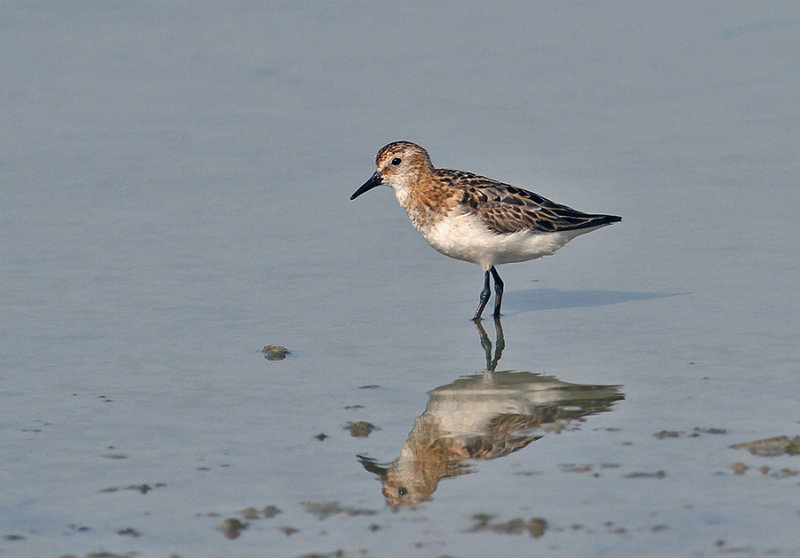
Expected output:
(402, 491)
(396, 161)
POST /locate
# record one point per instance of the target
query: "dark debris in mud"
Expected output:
(740, 468)
(324, 510)
(361, 429)
(13, 537)
(644, 475)
(771, 447)
(537, 527)
(334, 554)
(275, 352)
(534, 527)
(109, 555)
(142, 488)
(267, 512)
(696, 432)
(594, 469)
(232, 528)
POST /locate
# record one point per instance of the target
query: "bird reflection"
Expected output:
(483, 416)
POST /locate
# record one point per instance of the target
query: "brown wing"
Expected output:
(507, 209)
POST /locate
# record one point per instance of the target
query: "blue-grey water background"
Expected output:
(174, 183)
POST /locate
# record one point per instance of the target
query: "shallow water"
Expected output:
(175, 197)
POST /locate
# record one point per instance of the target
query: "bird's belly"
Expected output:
(466, 237)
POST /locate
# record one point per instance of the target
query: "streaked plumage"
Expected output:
(474, 218)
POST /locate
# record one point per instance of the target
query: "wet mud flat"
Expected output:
(465, 431)
(208, 350)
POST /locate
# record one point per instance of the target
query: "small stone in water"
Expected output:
(275, 352)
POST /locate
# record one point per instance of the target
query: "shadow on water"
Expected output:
(483, 416)
(530, 300)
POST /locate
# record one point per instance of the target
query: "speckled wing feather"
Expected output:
(508, 209)
(492, 447)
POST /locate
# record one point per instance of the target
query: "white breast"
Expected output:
(466, 237)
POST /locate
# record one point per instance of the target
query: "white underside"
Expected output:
(465, 237)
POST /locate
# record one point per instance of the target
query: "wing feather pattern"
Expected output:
(507, 209)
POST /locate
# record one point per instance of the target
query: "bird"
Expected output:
(477, 219)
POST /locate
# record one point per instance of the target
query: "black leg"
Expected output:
(491, 363)
(501, 340)
(485, 344)
(485, 294)
(498, 290)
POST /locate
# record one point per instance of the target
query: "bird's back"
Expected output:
(507, 209)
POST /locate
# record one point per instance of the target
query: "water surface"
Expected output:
(175, 185)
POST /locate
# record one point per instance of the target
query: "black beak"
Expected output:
(373, 467)
(374, 180)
